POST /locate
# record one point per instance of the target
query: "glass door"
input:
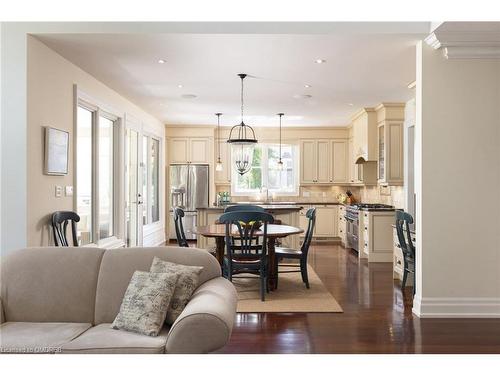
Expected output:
(133, 184)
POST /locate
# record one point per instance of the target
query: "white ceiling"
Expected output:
(362, 69)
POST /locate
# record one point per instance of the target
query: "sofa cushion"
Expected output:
(50, 284)
(104, 339)
(118, 266)
(185, 286)
(146, 302)
(24, 337)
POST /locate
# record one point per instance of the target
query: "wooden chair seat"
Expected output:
(288, 252)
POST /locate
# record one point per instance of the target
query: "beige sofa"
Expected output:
(62, 300)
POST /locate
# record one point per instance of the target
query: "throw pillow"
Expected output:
(187, 282)
(146, 302)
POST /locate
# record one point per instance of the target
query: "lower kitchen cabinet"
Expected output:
(342, 226)
(376, 241)
(326, 221)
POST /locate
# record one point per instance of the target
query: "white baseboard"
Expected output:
(456, 307)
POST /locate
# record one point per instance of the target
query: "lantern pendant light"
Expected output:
(218, 165)
(280, 162)
(242, 139)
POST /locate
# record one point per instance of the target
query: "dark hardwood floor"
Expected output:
(377, 318)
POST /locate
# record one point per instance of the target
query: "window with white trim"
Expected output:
(265, 174)
(96, 164)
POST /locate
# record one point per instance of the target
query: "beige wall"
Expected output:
(50, 103)
(457, 150)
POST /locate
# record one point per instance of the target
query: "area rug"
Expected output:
(291, 295)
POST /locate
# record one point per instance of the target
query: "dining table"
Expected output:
(274, 231)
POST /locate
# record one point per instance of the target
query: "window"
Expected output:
(265, 172)
(95, 165)
(150, 180)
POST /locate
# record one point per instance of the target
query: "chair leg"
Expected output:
(403, 282)
(303, 271)
(262, 286)
(276, 261)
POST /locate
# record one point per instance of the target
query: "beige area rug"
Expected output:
(291, 295)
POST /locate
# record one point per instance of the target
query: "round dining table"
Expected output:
(274, 231)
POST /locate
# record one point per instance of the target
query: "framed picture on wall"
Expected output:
(56, 151)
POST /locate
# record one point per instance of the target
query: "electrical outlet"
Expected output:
(58, 191)
(68, 191)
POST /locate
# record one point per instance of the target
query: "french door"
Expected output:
(133, 187)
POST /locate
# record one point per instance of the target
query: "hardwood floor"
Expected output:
(377, 318)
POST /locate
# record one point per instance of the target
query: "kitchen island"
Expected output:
(287, 213)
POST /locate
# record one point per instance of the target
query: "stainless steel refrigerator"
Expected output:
(189, 191)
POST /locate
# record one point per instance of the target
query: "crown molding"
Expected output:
(470, 44)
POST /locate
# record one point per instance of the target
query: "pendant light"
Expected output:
(218, 165)
(280, 162)
(242, 140)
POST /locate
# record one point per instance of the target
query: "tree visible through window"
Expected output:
(265, 173)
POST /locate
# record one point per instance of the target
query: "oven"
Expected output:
(352, 224)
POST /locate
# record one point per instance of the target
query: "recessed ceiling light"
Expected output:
(350, 104)
(180, 86)
(161, 61)
(320, 61)
(189, 96)
(307, 86)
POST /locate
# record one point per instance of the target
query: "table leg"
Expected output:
(219, 245)
(271, 272)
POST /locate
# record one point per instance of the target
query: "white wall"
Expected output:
(457, 182)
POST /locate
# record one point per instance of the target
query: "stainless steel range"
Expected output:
(352, 219)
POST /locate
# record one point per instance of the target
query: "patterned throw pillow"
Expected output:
(186, 284)
(146, 302)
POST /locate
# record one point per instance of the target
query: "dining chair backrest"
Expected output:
(60, 220)
(403, 221)
(179, 228)
(311, 217)
(244, 207)
(247, 224)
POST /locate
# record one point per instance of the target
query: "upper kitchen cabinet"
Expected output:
(364, 135)
(390, 118)
(323, 161)
(223, 177)
(189, 150)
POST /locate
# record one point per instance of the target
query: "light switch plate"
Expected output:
(68, 191)
(58, 191)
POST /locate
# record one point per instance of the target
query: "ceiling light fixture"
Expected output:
(280, 162)
(320, 61)
(307, 86)
(161, 61)
(243, 140)
(189, 96)
(180, 86)
(218, 165)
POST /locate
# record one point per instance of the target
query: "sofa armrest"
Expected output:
(206, 323)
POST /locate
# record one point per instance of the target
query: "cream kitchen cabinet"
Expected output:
(326, 221)
(342, 226)
(223, 177)
(189, 150)
(375, 235)
(323, 161)
(390, 118)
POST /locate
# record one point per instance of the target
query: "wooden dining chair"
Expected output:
(179, 228)
(403, 221)
(59, 222)
(242, 255)
(287, 253)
